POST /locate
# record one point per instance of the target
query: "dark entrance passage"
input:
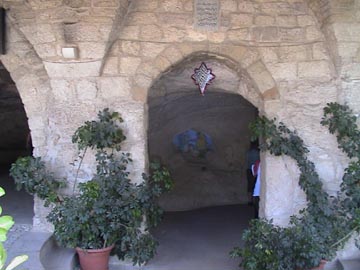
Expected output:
(203, 141)
(14, 142)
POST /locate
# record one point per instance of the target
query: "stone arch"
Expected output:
(245, 61)
(32, 82)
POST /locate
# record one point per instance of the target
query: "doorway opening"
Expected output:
(15, 141)
(203, 140)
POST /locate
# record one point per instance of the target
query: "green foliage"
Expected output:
(109, 208)
(327, 222)
(6, 222)
(101, 134)
(30, 173)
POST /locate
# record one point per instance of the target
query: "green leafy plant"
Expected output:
(109, 209)
(6, 222)
(327, 222)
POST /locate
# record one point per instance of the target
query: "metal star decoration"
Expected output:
(202, 77)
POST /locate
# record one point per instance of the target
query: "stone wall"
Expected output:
(293, 57)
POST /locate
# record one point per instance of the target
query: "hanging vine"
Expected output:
(327, 222)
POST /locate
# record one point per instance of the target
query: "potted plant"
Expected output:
(323, 227)
(108, 212)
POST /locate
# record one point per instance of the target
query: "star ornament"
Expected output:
(202, 77)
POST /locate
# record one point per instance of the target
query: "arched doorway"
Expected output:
(207, 209)
(15, 141)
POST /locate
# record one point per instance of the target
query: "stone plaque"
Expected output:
(207, 14)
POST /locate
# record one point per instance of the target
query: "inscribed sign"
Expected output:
(207, 14)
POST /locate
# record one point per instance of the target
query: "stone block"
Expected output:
(37, 122)
(261, 76)
(228, 5)
(264, 20)
(271, 94)
(143, 81)
(241, 20)
(294, 53)
(177, 19)
(247, 7)
(141, 18)
(130, 48)
(162, 63)
(195, 36)
(347, 31)
(105, 3)
(286, 21)
(82, 32)
(148, 5)
(111, 66)
(314, 69)
(234, 52)
(250, 57)
(238, 35)
(148, 69)
(189, 5)
(139, 94)
(129, 65)
(91, 50)
(268, 33)
(86, 90)
(269, 54)
(62, 90)
(151, 32)
(114, 87)
(305, 20)
(46, 50)
(216, 37)
(283, 71)
(319, 51)
(351, 71)
(174, 34)
(131, 32)
(313, 33)
(73, 70)
(171, 6)
(173, 54)
(43, 34)
(348, 50)
(295, 34)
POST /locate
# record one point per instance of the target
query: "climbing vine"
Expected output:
(327, 222)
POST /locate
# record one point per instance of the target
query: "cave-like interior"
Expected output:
(15, 141)
(207, 208)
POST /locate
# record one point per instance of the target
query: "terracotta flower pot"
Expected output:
(94, 259)
(321, 265)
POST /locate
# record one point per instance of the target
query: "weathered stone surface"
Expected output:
(114, 87)
(242, 20)
(73, 70)
(283, 71)
(314, 69)
(261, 76)
(279, 55)
(129, 65)
(86, 90)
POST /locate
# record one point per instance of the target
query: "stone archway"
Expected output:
(30, 77)
(256, 84)
(210, 185)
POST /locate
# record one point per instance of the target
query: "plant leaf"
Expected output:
(17, 261)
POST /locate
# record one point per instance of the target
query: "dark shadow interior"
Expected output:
(15, 141)
(203, 141)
